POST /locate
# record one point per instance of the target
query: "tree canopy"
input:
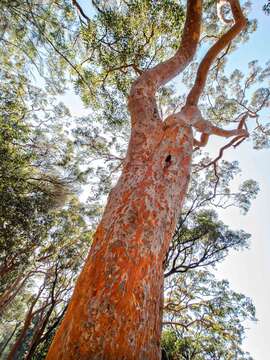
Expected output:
(49, 160)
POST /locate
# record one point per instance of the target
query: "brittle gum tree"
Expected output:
(116, 309)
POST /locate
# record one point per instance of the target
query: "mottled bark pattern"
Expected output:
(115, 312)
(116, 309)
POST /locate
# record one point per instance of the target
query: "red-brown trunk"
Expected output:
(116, 309)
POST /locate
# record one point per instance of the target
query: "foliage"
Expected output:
(203, 318)
(47, 157)
(120, 44)
(38, 37)
(37, 170)
(50, 278)
(266, 7)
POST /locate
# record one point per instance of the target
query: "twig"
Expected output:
(80, 10)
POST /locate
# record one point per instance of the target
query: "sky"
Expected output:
(248, 271)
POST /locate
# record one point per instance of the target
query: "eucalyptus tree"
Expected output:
(204, 319)
(39, 166)
(200, 239)
(116, 312)
(40, 302)
(103, 57)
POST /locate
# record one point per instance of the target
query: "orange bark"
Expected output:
(116, 309)
(115, 312)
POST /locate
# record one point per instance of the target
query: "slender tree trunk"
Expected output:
(38, 332)
(19, 341)
(27, 323)
(6, 341)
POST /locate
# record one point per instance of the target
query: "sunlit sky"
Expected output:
(247, 271)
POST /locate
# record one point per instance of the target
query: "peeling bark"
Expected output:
(115, 312)
(116, 308)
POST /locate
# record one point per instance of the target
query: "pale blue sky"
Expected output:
(247, 271)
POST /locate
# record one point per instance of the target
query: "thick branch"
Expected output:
(191, 115)
(207, 128)
(221, 44)
(158, 76)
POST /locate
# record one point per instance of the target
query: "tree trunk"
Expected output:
(19, 341)
(38, 331)
(116, 308)
(6, 340)
(26, 326)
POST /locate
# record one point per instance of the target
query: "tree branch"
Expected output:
(151, 80)
(80, 10)
(221, 44)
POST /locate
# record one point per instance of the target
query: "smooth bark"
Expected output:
(116, 308)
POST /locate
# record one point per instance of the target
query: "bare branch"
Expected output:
(221, 151)
(80, 10)
(236, 141)
(60, 53)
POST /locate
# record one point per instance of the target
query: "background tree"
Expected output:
(266, 7)
(203, 318)
(98, 42)
(49, 280)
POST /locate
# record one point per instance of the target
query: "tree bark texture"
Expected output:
(116, 308)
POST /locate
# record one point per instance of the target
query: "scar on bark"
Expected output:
(168, 159)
